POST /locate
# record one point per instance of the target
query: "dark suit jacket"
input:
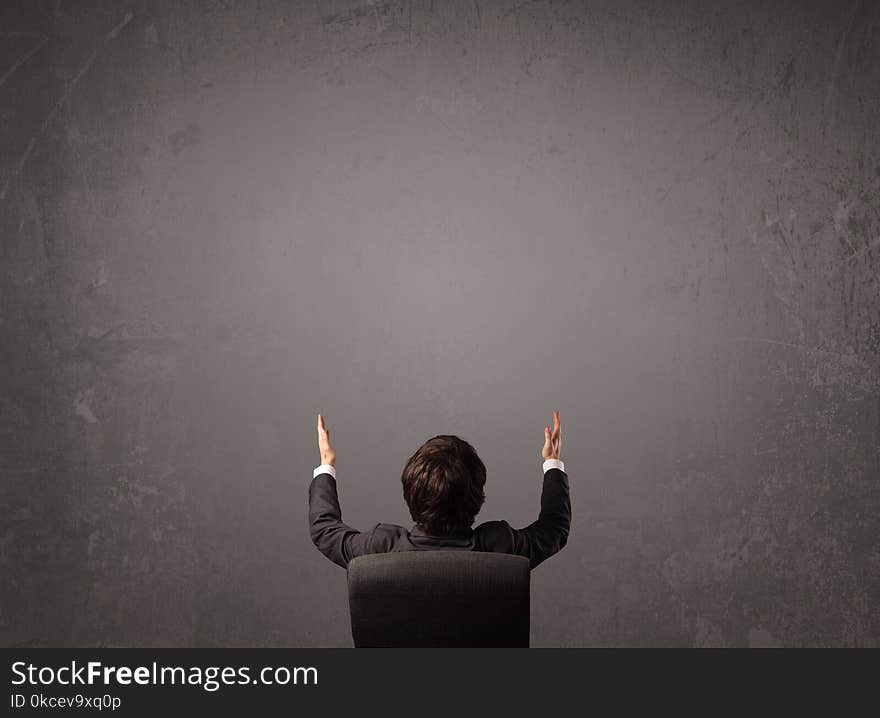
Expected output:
(537, 541)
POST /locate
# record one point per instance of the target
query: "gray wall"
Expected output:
(662, 218)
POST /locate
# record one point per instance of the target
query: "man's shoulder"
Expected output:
(494, 536)
(387, 537)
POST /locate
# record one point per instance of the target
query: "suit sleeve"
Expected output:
(546, 536)
(336, 540)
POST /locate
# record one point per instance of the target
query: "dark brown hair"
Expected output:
(443, 485)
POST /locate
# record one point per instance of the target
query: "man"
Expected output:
(443, 488)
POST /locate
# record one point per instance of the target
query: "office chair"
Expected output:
(439, 598)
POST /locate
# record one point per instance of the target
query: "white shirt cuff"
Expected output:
(324, 469)
(553, 464)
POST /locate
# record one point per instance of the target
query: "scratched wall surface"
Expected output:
(662, 218)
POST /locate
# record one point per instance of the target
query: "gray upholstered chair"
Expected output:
(439, 598)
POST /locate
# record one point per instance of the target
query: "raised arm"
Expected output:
(336, 540)
(325, 517)
(546, 536)
(328, 532)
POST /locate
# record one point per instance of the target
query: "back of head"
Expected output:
(443, 485)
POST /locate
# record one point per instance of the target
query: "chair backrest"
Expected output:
(439, 598)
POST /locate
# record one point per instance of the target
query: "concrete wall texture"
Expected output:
(424, 217)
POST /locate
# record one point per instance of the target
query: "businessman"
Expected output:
(443, 487)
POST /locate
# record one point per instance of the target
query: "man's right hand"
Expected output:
(552, 439)
(328, 453)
